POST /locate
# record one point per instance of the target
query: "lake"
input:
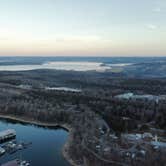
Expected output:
(46, 148)
(99, 64)
(74, 66)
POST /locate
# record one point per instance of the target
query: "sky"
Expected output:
(83, 27)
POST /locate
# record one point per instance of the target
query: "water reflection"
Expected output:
(47, 143)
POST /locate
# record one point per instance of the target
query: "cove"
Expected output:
(47, 144)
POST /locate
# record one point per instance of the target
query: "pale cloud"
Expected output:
(157, 10)
(78, 38)
(151, 26)
(3, 38)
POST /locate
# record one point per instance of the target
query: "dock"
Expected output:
(16, 162)
(2, 151)
(11, 163)
(7, 134)
(13, 146)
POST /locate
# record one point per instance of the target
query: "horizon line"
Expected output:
(91, 56)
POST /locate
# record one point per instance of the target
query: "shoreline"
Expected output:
(43, 124)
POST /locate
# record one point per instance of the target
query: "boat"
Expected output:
(2, 151)
(16, 162)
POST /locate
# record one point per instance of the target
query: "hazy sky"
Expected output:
(83, 27)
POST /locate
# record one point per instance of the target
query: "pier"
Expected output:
(7, 134)
(16, 162)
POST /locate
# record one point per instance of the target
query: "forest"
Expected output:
(91, 112)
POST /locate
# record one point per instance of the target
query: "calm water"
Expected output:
(46, 145)
(70, 63)
(75, 66)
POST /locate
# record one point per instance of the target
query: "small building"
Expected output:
(125, 96)
(147, 136)
(132, 137)
(158, 144)
(7, 134)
